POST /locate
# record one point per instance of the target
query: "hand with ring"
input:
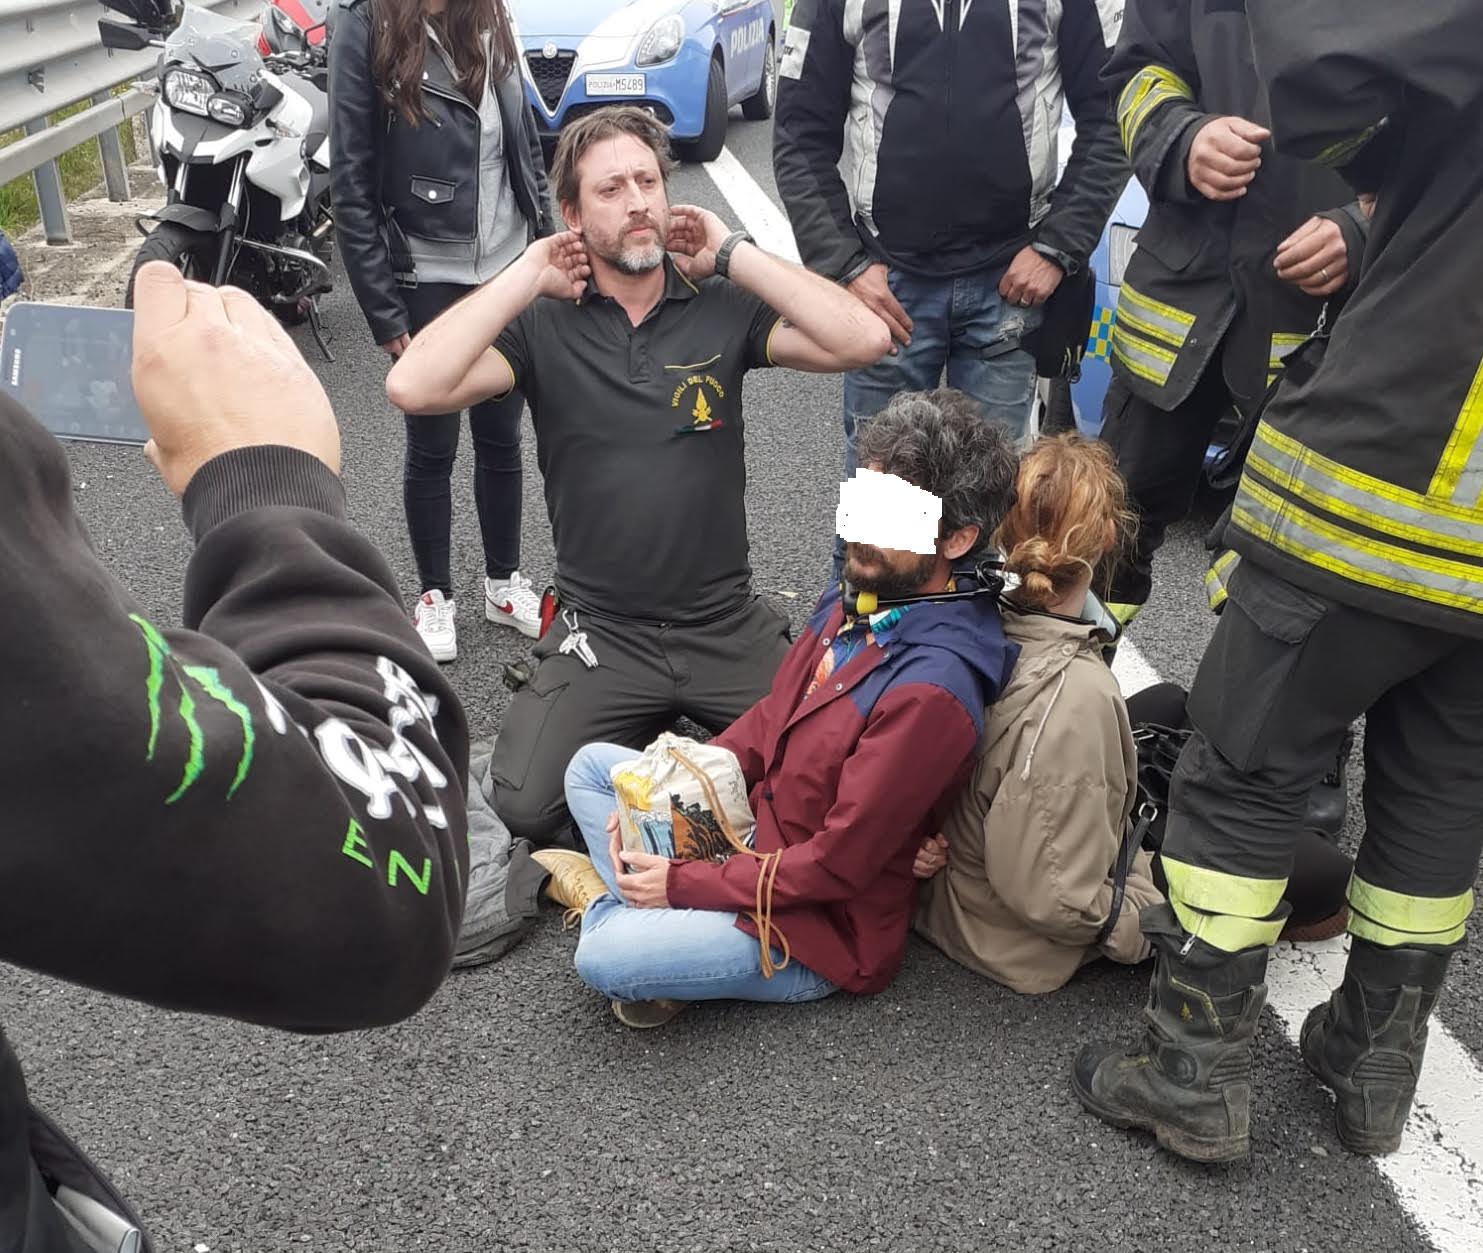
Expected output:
(1030, 279)
(1314, 258)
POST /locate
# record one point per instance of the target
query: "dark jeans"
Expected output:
(1320, 871)
(1161, 456)
(961, 327)
(432, 444)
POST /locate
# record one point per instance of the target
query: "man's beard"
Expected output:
(634, 258)
(887, 583)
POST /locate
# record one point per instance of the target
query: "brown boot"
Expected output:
(644, 1015)
(1322, 929)
(574, 880)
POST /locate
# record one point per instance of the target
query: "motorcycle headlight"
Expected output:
(189, 91)
(1121, 240)
(227, 109)
(662, 41)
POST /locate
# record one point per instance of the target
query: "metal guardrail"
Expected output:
(50, 58)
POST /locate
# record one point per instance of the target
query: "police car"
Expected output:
(687, 61)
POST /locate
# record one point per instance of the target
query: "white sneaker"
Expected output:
(433, 619)
(513, 602)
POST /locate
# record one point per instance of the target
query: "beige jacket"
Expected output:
(1031, 840)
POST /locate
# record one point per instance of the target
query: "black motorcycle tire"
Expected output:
(169, 241)
(183, 248)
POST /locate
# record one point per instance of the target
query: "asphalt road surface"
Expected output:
(515, 1113)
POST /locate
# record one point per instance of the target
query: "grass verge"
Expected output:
(82, 168)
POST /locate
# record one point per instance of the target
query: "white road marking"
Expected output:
(763, 219)
(1438, 1174)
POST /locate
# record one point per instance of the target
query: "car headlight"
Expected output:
(189, 91)
(662, 41)
(228, 109)
(1121, 241)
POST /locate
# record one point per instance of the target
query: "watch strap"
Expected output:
(728, 246)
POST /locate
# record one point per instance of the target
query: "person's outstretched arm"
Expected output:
(259, 815)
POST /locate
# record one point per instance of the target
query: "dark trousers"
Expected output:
(432, 445)
(1320, 870)
(1285, 674)
(646, 677)
(1161, 455)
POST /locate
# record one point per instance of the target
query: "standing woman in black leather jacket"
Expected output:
(438, 184)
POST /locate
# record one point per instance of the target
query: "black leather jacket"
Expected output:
(387, 176)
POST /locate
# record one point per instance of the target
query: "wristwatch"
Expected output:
(728, 246)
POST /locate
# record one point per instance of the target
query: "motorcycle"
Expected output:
(242, 141)
(294, 25)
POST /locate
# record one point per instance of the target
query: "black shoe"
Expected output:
(1368, 1041)
(1189, 1082)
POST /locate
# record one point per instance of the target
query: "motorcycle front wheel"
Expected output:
(169, 241)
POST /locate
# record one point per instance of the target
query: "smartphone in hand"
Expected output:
(69, 366)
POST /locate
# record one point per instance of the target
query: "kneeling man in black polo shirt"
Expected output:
(629, 335)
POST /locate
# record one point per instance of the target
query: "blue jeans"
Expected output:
(963, 326)
(675, 954)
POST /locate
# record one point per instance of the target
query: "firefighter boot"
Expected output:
(1189, 1081)
(1329, 800)
(1367, 1042)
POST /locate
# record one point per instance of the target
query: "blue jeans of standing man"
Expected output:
(962, 326)
(663, 954)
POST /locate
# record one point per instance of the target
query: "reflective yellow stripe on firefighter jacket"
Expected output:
(1201, 277)
(1365, 478)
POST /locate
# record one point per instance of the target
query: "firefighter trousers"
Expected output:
(1161, 455)
(1286, 673)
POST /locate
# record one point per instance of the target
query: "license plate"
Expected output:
(615, 84)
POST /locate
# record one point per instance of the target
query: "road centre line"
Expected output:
(1438, 1173)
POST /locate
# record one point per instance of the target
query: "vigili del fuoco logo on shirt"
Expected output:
(691, 395)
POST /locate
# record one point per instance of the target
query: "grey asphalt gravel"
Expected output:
(515, 1113)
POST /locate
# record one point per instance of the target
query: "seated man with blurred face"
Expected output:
(872, 721)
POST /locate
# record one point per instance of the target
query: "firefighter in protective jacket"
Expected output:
(1359, 521)
(1240, 251)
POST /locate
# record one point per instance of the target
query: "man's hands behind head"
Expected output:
(213, 371)
(564, 267)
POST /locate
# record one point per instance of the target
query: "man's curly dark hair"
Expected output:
(941, 442)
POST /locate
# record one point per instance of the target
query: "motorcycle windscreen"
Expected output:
(69, 366)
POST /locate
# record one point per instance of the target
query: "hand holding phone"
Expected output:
(214, 371)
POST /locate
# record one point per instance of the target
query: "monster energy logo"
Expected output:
(208, 681)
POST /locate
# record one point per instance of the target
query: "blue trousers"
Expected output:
(674, 954)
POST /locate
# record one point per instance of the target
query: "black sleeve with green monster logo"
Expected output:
(261, 815)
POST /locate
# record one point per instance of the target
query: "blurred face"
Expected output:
(622, 209)
(888, 572)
